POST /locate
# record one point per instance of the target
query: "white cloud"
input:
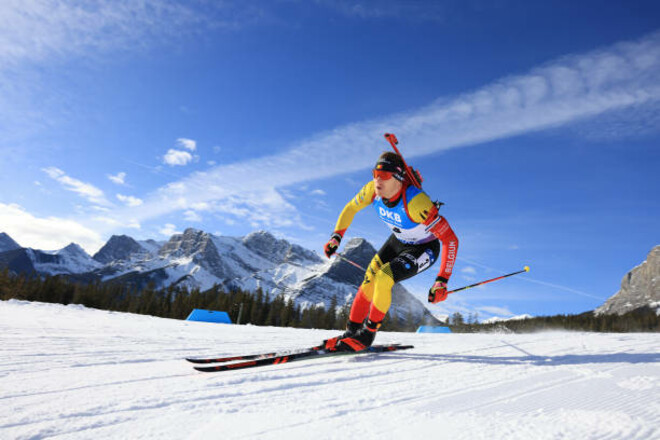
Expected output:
(46, 233)
(469, 270)
(494, 310)
(35, 30)
(318, 192)
(119, 178)
(129, 200)
(192, 216)
(168, 230)
(177, 157)
(188, 144)
(85, 190)
(570, 89)
(201, 206)
(401, 10)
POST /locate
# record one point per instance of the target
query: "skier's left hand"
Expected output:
(438, 292)
(332, 245)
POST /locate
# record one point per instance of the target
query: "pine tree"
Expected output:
(330, 318)
(457, 319)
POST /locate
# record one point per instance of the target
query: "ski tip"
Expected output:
(207, 369)
(389, 347)
(526, 268)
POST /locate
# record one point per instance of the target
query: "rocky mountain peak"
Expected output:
(7, 243)
(118, 248)
(640, 287)
(73, 250)
(266, 245)
(359, 251)
(192, 242)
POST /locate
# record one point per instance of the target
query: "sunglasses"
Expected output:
(383, 175)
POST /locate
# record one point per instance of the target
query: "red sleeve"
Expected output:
(449, 248)
(439, 226)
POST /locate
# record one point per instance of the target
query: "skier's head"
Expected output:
(390, 162)
(389, 174)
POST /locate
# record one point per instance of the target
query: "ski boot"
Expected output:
(362, 339)
(351, 329)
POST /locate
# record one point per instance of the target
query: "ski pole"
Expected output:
(351, 262)
(526, 269)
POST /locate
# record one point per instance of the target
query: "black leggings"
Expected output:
(407, 260)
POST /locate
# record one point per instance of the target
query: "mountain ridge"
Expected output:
(199, 260)
(639, 287)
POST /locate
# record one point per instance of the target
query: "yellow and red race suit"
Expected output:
(417, 231)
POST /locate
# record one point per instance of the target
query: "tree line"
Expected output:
(257, 308)
(643, 319)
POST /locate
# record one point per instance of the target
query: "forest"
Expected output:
(259, 308)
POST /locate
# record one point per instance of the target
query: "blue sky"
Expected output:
(535, 122)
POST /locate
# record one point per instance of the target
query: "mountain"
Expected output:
(7, 244)
(119, 248)
(495, 319)
(198, 260)
(69, 260)
(18, 261)
(640, 287)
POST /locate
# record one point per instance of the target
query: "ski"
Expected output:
(313, 353)
(247, 357)
(252, 356)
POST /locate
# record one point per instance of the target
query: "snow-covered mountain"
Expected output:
(495, 319)
(69, 260)
(120, 248)
(7, 244)
(640, 287)
(199, 260)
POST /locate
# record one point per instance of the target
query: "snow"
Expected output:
(70, 372)
(72, 259)
(495, 319)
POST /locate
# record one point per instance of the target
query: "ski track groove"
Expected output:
(251, 374)
(367, 379)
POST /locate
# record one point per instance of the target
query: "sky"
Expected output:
(536, 123)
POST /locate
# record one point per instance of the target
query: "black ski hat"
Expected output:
(391, 162)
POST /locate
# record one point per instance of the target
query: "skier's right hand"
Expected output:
(332, 245)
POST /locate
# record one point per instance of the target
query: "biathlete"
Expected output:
(415, 244)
